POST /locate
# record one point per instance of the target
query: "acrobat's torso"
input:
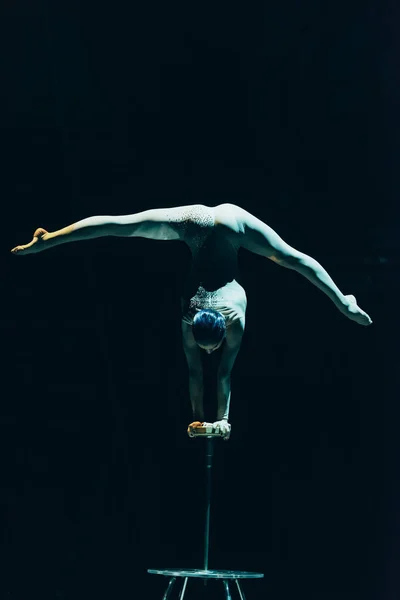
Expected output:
(213, 237)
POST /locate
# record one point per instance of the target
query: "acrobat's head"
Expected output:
(209, 329)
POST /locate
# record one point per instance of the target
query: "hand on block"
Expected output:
(192, 426)
(203, 429)
(223, 427)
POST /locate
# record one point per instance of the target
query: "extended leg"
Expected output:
(241, 593)
(227, 590)
(168, 591)
(156, 224)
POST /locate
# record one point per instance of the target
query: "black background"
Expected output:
(288, 109)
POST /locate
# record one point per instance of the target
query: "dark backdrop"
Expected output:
(288, 109)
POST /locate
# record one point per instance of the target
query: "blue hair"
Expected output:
(208, 327)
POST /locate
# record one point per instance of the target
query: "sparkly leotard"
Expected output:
(212, 278)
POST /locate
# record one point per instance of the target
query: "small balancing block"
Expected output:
(205, 430)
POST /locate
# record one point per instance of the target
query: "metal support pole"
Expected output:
(168, 591)
(209, 457)
(241, 592)
(183, 589)
(227, 590)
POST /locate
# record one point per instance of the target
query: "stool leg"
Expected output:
(227, 590)
(168, 591)
(183, 589)
(241, 593)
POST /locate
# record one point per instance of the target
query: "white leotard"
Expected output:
(212, 278)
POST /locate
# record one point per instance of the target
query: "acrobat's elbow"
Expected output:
(287, 260)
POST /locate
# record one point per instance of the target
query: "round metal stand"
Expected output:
(226, 576)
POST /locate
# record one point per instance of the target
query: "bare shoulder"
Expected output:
(191, 348)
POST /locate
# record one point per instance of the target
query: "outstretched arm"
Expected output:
(157, 224)
(261, 239)
(195, 368)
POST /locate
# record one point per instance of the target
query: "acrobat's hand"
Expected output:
(33, 246)
(224, 428)
(192, 426)
(354, 312)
